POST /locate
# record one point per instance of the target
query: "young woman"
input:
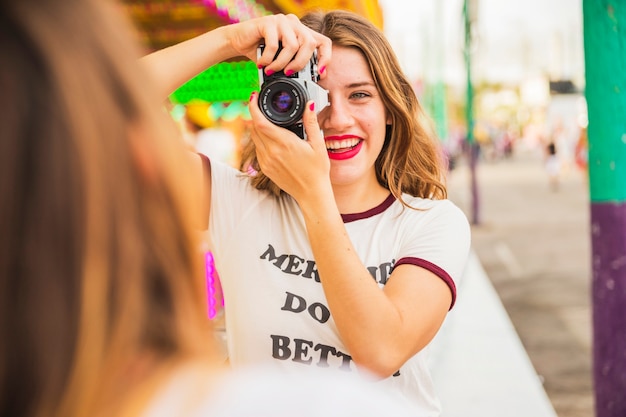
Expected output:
(342, 251)
(101, 309)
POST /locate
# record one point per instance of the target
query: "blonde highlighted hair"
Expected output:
(100, 269)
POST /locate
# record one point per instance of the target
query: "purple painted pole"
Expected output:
(609, 307)
(605, 67)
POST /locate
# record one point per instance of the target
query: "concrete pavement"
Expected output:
(479, 365)
(533, 244)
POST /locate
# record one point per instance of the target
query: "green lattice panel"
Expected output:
(226, 81)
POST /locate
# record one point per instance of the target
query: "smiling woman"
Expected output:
(363, 207)
(354, 124)
(339, 251)
(102, 309)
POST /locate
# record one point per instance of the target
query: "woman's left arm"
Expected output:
(382, 329)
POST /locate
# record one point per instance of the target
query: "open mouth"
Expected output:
(343, 147)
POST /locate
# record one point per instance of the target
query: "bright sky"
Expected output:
(515, 39)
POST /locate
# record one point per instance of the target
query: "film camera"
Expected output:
(282, 98)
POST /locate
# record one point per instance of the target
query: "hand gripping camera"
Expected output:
(282, 98)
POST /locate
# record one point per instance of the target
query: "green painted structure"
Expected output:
(605, 70)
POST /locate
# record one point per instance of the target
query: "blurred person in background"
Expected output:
(340, 251)
(552, 165)
(100, 276)
(581, 151)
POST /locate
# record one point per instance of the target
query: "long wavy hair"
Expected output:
(100, 269)
(411, 160)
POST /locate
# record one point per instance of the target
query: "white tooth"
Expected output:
(341, 144)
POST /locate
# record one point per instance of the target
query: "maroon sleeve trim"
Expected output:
(422, 263)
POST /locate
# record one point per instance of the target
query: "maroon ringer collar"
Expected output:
(347, 218)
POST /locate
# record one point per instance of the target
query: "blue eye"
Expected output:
(359, 95)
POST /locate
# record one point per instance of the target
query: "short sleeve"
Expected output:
(439, 241)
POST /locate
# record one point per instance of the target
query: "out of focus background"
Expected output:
(511, 70)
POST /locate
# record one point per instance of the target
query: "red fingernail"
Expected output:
(259, 66)
(252, 95)
(322, 69)
(269, 72)
(312, 106)
(288, 72)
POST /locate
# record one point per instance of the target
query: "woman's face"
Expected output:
(354, 124)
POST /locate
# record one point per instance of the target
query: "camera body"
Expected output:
(282, 98)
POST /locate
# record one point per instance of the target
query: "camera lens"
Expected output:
(282, 102)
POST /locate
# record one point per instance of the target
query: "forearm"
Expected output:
(366, 318)
(173, 66)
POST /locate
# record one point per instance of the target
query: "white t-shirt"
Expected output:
(275, 307)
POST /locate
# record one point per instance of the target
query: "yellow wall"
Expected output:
(367, 8)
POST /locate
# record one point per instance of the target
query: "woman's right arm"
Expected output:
(173, 66)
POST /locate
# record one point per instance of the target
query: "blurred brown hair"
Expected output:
(411, 160)
(100, 269)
